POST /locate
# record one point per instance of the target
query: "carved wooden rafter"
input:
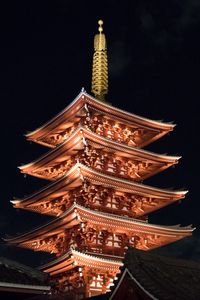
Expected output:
(85, 278)
(100, 124)
(101, 198)
(113, 130)
(58, 137)
(103, 161)
(95, 239)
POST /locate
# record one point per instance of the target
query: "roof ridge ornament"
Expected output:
(100, 65)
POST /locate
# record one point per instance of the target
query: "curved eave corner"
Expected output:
(173, 229)
(166, 126)
(31, 133)
(91, 172)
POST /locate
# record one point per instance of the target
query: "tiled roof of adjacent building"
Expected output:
(159, 277)
(17, 273)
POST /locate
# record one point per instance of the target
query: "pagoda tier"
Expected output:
(98, 191)
(93, 231)
(83, 274)
(101, 118)
(99, 153)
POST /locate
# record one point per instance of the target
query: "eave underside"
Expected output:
(153, 235)
(70, 116)
(74, 258)
(80, 273)
(88, 148)
(49, 199)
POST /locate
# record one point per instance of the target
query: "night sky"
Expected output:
(154, 67)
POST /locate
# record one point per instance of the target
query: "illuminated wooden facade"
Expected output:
(96, 167)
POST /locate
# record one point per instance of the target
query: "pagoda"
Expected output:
(96, 195)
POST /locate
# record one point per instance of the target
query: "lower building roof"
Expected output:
(158, 277)
(17, 277)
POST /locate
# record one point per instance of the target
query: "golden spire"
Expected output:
(100, 65)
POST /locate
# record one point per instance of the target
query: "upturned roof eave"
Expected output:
(128, 184)
(128, 220)
(29, 134)
(114, 262)
(38, 230)
(122, 221)
(130, 116)
(83, 97)
(145, 154)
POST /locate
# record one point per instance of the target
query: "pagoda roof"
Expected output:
(175, 278)
(77, 214)
(79, 173)
(19, 278)
(76, 258)
(82, 136)
(73, 111)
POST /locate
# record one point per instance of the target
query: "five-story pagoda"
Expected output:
(100, 206)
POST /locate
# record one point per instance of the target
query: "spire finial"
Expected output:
(100, 65)
(100, 22)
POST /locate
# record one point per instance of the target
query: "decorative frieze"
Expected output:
(101, 160)
(101, 198)
(116, 131)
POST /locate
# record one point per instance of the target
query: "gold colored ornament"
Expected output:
(100, 65)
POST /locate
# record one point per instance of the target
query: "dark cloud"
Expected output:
(190, 14)
(167, 24)
(147, 21)
(120, 58)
